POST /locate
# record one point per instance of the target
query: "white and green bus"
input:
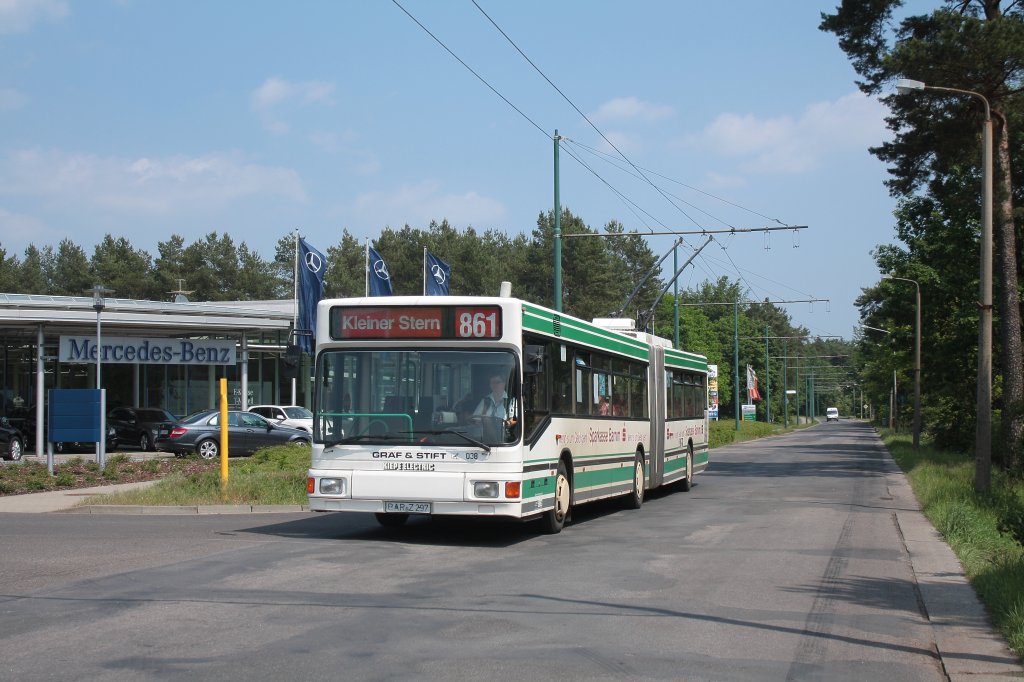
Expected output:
(493, 406)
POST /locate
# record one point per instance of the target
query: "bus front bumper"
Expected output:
(446, 493)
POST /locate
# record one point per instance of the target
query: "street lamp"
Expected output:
(983, 429)
(98, 291)
(892, 402)
(917, 360)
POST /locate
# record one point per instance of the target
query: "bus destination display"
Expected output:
(423, 322)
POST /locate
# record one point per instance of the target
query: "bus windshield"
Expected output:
(408, 396)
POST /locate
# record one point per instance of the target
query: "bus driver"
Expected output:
(497, 403)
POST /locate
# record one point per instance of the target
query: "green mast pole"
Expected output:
(785, 384)
(767, 381)
(558, 235)
(675, 294)
(736, 355)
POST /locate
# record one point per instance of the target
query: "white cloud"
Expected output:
(143, 186)
(418, 204)
(11, 99)
(795, 145)
(276, 96)
(17, 16)
(631, 109)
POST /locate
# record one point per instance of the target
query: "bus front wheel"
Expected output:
(554, 520)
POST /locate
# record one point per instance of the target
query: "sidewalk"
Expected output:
(71, 501)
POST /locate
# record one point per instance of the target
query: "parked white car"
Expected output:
(286, 415)
(832, 414)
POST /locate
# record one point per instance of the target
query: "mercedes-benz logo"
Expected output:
(438, 274)
(314, 263)
(380, 268)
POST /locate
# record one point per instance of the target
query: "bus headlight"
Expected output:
(485, 489)
(332, 486)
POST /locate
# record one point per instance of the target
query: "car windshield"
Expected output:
(417, 396)
(298, 413)
(198, 417)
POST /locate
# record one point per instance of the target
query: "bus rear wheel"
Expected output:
(636, 498)
(554, 520)
(687, 483)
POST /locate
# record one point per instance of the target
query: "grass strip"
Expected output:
(985, 531)
(274, 475)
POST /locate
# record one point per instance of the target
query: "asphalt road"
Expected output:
(785, 562)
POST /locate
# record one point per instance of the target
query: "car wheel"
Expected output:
(145, 443)
(14, 450)
(208, 449)
(302, 442)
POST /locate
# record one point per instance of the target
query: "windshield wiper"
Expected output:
(361, 437)
(460, 434)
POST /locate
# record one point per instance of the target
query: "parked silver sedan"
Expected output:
(247, 432)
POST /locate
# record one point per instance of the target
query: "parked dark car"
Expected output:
(25, 421)
(138, 426)
(12, 443)
(247, 432)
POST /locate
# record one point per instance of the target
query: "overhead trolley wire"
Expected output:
(470, 69)
(580, 112)
(612, 160)
(530, 120)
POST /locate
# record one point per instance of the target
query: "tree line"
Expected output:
(934, 159)
(598, 275)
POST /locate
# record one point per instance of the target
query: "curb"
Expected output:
(187, 510)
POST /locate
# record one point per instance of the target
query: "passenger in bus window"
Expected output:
(605, 408)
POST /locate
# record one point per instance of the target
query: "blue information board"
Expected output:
(74, 415)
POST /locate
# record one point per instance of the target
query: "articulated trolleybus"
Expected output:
(492, 406)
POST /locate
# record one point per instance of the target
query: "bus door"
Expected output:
(656, 384)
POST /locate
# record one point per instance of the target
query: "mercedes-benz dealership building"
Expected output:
(151, 353)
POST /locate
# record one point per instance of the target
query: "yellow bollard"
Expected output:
(223, 436)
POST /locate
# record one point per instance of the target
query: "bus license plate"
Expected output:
(407, 507)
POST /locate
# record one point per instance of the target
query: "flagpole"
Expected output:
(424, 271)
(366, 267)
(295, 319)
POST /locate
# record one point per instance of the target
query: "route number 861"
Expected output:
(478, 325)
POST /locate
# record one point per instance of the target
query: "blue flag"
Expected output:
(437, 276)
(312, 267)
(380, 278)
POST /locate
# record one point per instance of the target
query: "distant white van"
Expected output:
(832, 414)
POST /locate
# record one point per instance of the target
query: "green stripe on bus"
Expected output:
(675, 464)
(534, 487)
(589, 479)
(571, 329)
(684, 360)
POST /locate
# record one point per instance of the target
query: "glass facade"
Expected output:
(180, 389)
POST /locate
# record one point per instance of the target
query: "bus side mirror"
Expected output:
(533, 359)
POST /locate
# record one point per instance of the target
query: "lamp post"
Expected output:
(983, 429)
(98, 291)
(917, 360)
(892, 402)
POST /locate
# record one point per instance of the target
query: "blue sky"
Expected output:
(143, 119)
